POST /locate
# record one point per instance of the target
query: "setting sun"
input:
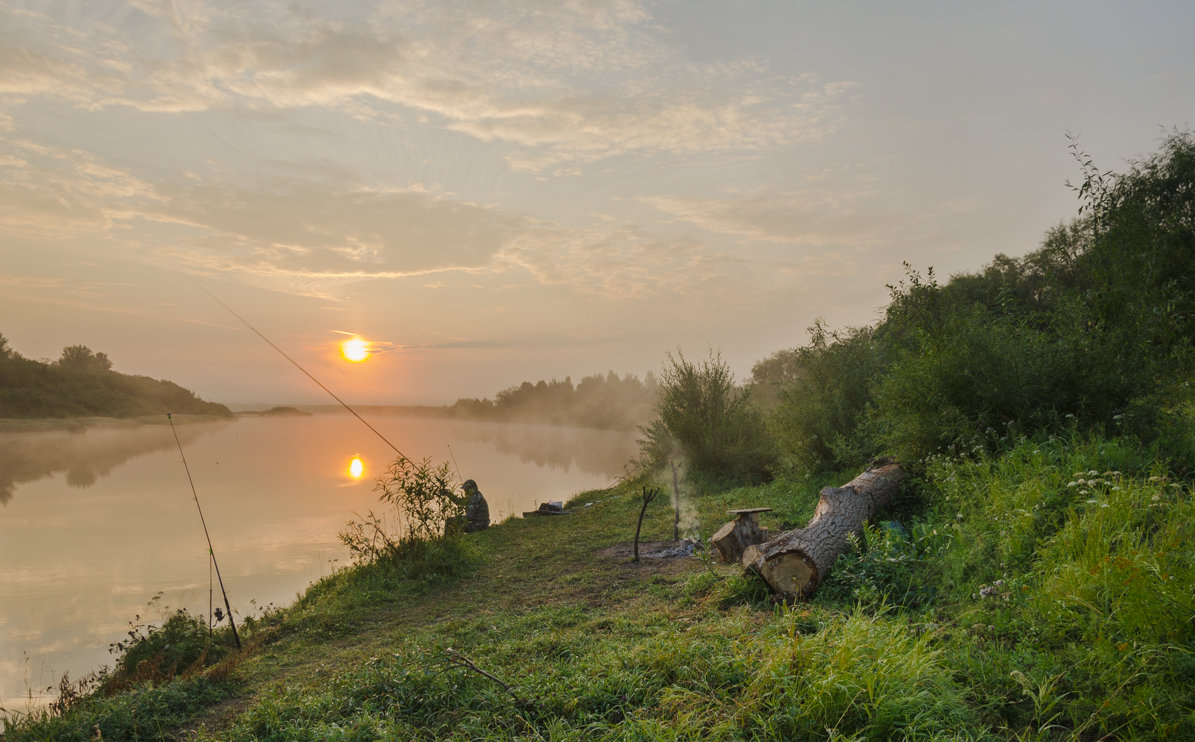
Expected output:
(355, 349)
(356, 468)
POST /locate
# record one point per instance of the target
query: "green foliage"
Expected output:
(147, 712)
(1093, 331)
(1039, 593)
(422, 496)
(157, 682)
(977, 377)
(867, 677)
(821, 406)
(80, 359)
(421, 543)
(704, 418)
(182, 644)
(1071, 578)
(82, 384)
(889, 566)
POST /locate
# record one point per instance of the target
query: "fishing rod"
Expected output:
(295, 363)
(454, 464)
(211, 552)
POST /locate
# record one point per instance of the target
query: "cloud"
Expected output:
(355, 232)
(55, 193)
(619, 264)
(301, 235)
(560, 84)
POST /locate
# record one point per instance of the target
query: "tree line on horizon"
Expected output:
(81, 383)
(602, 401)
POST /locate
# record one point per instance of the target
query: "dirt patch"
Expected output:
(685, 548)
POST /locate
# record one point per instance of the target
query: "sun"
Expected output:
(356, 468)
(355, 349)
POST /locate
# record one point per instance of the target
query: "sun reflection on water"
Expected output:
(356, 468)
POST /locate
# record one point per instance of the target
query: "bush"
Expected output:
(420, 542)
(817, 420)
(1093, 331)
(705, 418)
(888, 565)
(181, 645)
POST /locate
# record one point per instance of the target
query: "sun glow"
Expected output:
(356, 468)
(355, 349)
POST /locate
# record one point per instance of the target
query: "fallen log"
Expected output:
(795, 562)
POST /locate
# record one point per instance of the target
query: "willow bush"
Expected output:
(707, 420)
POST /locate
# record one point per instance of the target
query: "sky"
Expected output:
(491, 192)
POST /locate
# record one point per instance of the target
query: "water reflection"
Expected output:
(84, 454)
(79, 563)
(596, 452)
(356, 468)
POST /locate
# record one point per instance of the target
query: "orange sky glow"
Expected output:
(499, 192)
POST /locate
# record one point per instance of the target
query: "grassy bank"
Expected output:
(1044, 594)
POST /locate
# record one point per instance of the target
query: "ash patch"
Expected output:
(686, 547)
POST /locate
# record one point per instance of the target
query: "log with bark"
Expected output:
(795, 562)
(732, 538)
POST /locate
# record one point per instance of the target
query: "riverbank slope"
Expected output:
(1057, 604)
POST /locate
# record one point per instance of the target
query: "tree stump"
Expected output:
(795, 562)
(736, 535)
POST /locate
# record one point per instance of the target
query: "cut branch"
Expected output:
(456, 659)
(795, 562)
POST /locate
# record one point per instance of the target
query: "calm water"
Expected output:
(95, 523)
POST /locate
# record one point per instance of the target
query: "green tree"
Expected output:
(817, 420)
(80, 358)
(705, 418)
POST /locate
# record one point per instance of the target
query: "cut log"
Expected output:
(795, 562)
(736, 535)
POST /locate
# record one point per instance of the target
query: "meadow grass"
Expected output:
(1043, 594)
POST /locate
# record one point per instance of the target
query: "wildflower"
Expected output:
(1072, 484)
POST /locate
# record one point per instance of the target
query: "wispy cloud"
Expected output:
(577, 82)
(843, 217)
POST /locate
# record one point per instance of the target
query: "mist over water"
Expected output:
(95, 523)
(84, 455)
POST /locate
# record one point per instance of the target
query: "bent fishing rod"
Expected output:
(306, 373)
(211, 552)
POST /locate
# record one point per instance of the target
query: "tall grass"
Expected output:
(1070, 572)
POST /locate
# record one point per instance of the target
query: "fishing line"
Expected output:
(295, 363)
(211, 552)
(454, 464)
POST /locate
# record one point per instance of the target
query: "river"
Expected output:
(94, 523)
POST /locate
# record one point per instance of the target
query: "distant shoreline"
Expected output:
(35, 424)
